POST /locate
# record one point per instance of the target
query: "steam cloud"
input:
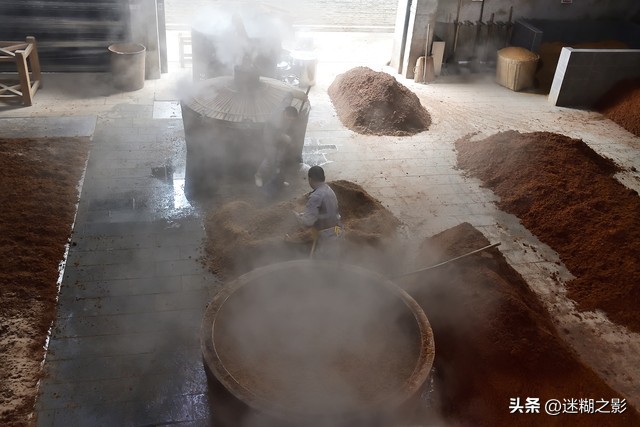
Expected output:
(223, 26)
(319, 342)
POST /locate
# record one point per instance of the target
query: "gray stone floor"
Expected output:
(124, 348)
(48, 127)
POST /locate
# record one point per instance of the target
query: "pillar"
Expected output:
(413, 19)
(144, 30)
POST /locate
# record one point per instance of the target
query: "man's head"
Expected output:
(316, 176)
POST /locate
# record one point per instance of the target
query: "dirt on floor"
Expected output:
(242, 234)
(373, 102)
(550, 54)
(495, 342)
(39, 179)
(622, 105)
(566, 195)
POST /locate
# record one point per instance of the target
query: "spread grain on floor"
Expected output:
(496, 342)
(242, 235)
(39, 179)
(567, 195)
(622, 105)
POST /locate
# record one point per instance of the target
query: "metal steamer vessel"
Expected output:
(224, 122)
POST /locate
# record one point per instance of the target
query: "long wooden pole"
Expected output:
(448, 261)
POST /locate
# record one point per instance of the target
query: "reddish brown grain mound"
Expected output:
(38, 180)
(622, 105)
(242, 236)
(372, 102)
(494, 341)
(566, 194)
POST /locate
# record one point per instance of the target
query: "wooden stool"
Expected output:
(25, 56)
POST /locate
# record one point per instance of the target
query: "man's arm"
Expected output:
(311, 210)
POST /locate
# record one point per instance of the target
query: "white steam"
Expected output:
(241, 30)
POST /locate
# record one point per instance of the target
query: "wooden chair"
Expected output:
(25, 56)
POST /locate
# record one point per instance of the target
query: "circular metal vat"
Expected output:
(224, 120)
(317, 343)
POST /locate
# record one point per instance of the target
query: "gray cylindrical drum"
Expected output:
(127, 65)
(305, 64)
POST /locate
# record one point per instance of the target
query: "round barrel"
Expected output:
(128, 66)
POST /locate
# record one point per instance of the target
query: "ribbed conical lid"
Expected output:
(221, 98)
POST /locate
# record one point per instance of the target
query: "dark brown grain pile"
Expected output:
(622, 105)
(242, 235)
(372, 102)
(39, 181)
(495, 341)
(566, 195)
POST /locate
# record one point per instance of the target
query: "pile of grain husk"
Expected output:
(495, 341)
(518, 54)
(622, 105)
(373, 102)
(550, 54)
(566, 195)
(241, 235)
(39, 181)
